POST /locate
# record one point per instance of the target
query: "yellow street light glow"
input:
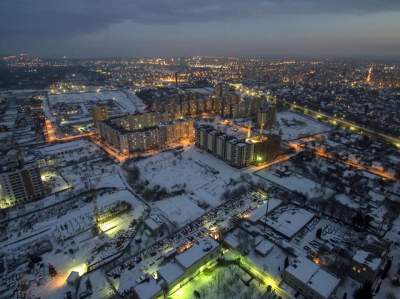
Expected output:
(81, 269)
(110, 228)
(46, 176)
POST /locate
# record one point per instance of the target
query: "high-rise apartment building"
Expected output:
(237, 150)
(266, 117)
(144, 131)
(19, 184)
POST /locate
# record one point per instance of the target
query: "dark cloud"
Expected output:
(28, 18)
(87, 28)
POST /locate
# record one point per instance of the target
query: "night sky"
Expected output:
(129, 28)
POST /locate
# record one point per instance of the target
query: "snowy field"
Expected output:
(203, 176)
(222, 283)
(293, 125)
(92, 174)
(295, 182)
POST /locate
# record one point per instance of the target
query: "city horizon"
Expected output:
(212, 28)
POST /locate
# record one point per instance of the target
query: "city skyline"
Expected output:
(214, 28)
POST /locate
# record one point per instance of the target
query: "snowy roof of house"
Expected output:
(302, 269)
(232, 240)
(147, 289)
(153, 223)
(313, 276)
(368, 259)
(196, 252)
(171, 272)
(323, 283)
(264, 247)
(62, 147)
(290, 221)
(376, 196)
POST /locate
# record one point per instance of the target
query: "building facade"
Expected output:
(266, 117)
(237, 151)
(144, 131)
(19, 185)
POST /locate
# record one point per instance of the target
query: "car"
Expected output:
(138, 259)
(131, 266)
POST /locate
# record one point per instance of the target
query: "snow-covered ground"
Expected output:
(293, 125)
(74, 244)
(203, 176)
(296, 182)
(179, 209)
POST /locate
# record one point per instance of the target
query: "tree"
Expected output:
(88, 284)
(133, 175)
(52, 270)
(286, 262)
(364, 292)
(386, 269)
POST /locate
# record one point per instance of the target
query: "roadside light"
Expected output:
(80, 268)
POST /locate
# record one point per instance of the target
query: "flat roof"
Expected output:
(171, 272)
(368, 259)
(147, 289)
(196, 252)
(289, 221)
(264, 247)
(313, 276)
(260, 212)
(323, 283)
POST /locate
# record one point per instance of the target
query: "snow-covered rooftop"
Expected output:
(289, 221)
(313, 276)
(264, 247)
(260, 212)
(171, 272)
(196, 252)
(366, 258)
(147, 289)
